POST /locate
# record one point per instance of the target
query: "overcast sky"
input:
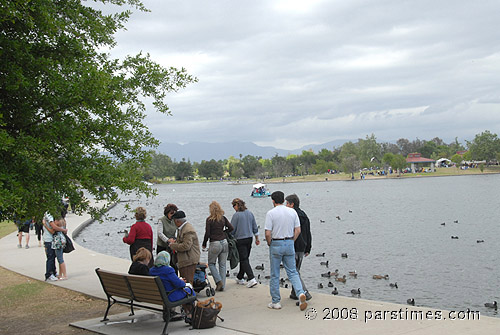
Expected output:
(290, 73)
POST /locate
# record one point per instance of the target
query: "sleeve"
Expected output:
(131, 235)
(228, 224)
(307, 235)
(207, 233)
(255, 229)
(234, 223)
(296, 220)
(269, 222)
(185, 245)
(175, 280)
(160, 234)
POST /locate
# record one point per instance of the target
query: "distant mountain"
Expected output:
(198, 151)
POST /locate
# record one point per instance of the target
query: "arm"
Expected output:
(207, 234)
(130, 238)
(268, 237)
(56, 227)
(185, 245)
(229, 226)
(159, 230)
(307, 236)
(296, 233)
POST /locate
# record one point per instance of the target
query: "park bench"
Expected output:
(138, 291)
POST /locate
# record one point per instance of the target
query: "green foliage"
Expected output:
(485, 146)
(183, 170)
(457, 159)
(71, 117)
(211, 169)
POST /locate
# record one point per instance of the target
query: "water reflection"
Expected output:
(398, 231)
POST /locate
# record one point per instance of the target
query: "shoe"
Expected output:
(251, 283)
(303, 303)
(273, 305)
(293, 296)
(219, 287)
(52, 278)
(27, 246)
(308, 296)
(19, 246)
(240, 281)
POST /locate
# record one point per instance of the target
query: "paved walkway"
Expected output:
(244, 310)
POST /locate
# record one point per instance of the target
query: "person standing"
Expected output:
(282, 228)
(49, 227)
(24, 227)
(58, 244)
(186, 246)
(166, 230)
(245, 228)
(38, 231)
(215, 228)
(141, 234)
(303, 243)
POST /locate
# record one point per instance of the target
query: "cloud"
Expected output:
(291, 73)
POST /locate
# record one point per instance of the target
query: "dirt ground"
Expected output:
(29, 306)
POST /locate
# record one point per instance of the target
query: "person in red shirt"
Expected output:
(141, 234)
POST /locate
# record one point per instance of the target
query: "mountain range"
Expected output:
(198, 151)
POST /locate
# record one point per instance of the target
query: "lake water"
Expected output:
(398, 231)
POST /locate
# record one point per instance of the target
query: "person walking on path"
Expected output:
(141, 234)
(245, 228)
(187, 247)
(303, 243)
(282, 228)
(215, 227)
(49, 227)
(38, 231)
(166, 230)
(23, 227)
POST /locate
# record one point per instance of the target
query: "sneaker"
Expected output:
(273, 305)
(303, 303)
(251, 283)
(52, 278)
(27, 246)
(293, 296)
(19, 246)
(308, 296)
(240, 281)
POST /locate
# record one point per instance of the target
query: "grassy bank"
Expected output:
(31, 306)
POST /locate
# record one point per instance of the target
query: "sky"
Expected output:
(295, 72)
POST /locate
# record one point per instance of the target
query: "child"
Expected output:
(58, 244)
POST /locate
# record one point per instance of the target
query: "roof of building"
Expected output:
(416, 157)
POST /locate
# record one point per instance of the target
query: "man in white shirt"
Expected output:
(282, 227)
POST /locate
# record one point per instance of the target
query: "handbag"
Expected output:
(205, 314)
(69, 247)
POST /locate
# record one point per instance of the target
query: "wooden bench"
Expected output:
(136, 291)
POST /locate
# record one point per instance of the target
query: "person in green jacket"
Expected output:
(166, 230)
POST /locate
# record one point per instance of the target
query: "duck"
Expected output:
(267, 277)
(227, 273)
(330, 284)
(106, 234)
(335, 291)
(454, 237)
(380, 277)
(350, 211)
(491, 305)
(259, 267)
(324, 263)
(479, 241)
(411, 301)
(322, 221)
(350, 232)
(342, 279)
(395, 285)
(356, 292)
(353, 274)
(337, 217)
(456, 221)
(344, 255)
(326, 274)
(443, 224)
(320, 285)
(320, 255)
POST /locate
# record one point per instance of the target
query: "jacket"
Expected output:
(187, 246)
(303, 243)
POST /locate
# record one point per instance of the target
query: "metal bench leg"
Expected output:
(107, 309)
(131, 308)
(166, 318)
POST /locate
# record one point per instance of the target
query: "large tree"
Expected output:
(485, 146)
(71, 116)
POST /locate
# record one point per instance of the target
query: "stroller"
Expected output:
(201, 281)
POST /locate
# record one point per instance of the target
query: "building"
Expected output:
(416, 158)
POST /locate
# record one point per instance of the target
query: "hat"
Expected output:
(179, 215)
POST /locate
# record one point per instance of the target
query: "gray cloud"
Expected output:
(290, 73)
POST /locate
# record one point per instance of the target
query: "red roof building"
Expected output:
(416, 158)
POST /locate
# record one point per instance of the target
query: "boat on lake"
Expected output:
(260, 190)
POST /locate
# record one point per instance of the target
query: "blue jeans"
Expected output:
(50, 264)
(217, 251)
(283, 251)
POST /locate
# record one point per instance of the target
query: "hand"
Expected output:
(204, 248)
(171, 240)
(257, 241)
(306, 254)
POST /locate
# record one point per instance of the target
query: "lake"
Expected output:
(398, 231)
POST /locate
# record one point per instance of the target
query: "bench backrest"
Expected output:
(146, 289)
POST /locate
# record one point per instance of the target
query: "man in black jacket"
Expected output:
(303, 243)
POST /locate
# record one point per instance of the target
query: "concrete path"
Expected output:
(245, 310)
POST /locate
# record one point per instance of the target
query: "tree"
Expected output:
(351, 164)
(161, 167)
(457, 159)
(485, 146)
(251, 166)
(211, 169)
(71, 117)
(183, 170)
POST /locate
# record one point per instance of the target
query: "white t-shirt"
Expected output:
(281, 221)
